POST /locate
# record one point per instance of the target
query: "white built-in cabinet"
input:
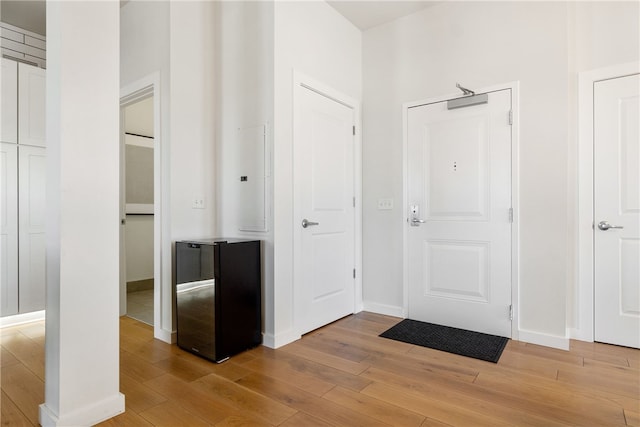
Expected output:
(9, 105)
(9, 228)
(31, 105)
(32, 171)
(22, 189)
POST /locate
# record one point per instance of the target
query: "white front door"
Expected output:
(324, 213)
(617, 210)
(459, 184)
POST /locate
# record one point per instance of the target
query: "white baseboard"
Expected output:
(275, 341)
(164, 335)
(20, 319)
(581, 335)
(86, 416)
(388, 310)
(547, 340)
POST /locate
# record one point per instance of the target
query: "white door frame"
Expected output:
(162, 303)
(515, 132)
(300, 79)
(585, 286)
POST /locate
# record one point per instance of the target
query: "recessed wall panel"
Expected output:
(330, 261)
(630, 277)
(8, 229)
(329, 148)
(456, 269)
(8, 285)
(456, 175)
(32, 275)
(4, 191)
(37, 188)
(630, 155)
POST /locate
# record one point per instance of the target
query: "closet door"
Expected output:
(8, 229)
(31, 104)
(9, 129)
(32, 185)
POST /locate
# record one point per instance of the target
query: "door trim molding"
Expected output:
(162, 303)
(302, 80)
(583, 301)
(515, 137)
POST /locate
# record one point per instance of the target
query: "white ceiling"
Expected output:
(364, 14)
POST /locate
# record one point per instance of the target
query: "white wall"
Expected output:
(539, 44)
(310, 37)
(144, 47)
(81, 375)
(259, 45)
(606, 33)
(192, 117)
(244, 98)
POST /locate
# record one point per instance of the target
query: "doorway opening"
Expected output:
(461, 236)
(140, 268)
(138, 185)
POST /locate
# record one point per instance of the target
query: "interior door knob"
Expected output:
(604, 226)
(306, 223)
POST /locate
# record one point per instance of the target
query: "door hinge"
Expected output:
(511, 312)
(511, 215)
(510, 117)
(354, 273)
(354, 202)
(354, 130)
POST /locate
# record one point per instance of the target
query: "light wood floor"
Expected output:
(344, 375)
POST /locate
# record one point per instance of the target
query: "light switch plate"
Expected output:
(385, 204)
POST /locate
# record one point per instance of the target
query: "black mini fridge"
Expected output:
(218, 296)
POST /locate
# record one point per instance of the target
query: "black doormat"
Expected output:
(453, 340)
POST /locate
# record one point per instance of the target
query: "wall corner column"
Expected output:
(82, 303)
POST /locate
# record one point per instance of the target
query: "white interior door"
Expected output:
(617, 210)
(459, 193)
(324, 219)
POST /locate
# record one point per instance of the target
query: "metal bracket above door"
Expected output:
(467, 101)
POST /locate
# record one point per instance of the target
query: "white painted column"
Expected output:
(82, 345)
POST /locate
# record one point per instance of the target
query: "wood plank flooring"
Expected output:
(344, 375)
